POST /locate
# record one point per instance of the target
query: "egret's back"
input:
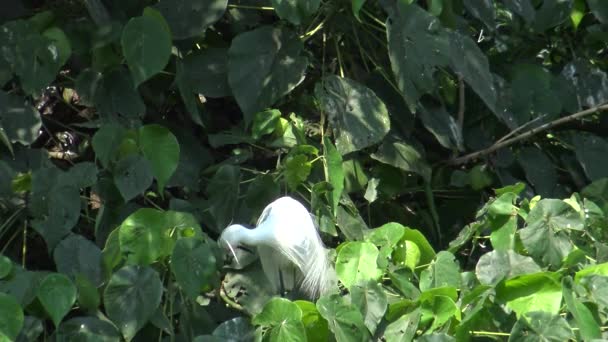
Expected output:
(297, 238)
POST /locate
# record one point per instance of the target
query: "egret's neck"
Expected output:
(255, 237)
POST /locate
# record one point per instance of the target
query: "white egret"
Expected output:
(289, 246)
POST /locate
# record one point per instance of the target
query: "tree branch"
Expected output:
(460, 102)
(500, 144)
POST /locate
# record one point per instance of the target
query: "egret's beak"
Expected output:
(232, 251)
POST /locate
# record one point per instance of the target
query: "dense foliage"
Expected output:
(433, 141)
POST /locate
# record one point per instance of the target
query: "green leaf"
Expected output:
(403, 329)
(358, 117)
(531, 292)
(443, 126)
(370, 299)
(31, 331)
(206, 72)
(62, 214)
(483, 10)
(264, 123)
(334, 173)
(403, 156)
(523, 8)
(545, 236)
(88, 296)
(356, 6)
(436, 337)
(146, 44)
(283, 319)
(131, 297)
(237, 329)
(11, 317)
(599, 9)
(503, 238)
(295, 11)
(439, 309)
(87, 329)
(444, 271)
(161, 148)
(552, 13)
(19, 121)
(539, 170)
(6, 266)
(193, 264)
(356, 262)
(589, 148)
(345, 321)
(117, 98)
(144, 236)
(57, 294)
(541, 326)
(106, 142)
(222, 191)
(297, 170)
(315, 325)
(278, 68)
(417, 46)
(599, 269)
(60, 42)
(190, 18)
(578, 12)
(468, 61)
(132, 176)
(75, 255)
(588, 81)
(589, 328)
(495, 266)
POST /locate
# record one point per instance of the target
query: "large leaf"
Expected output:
(11, 317)
(75, 255)
(161, 148)
(356, 262)
(18, 120)
(541, 326)
(552, 13)
(345, 321)
(278, 68)
(334, 173)
(444, 271)
(57, 294)
(131, 297)
(132, 176)
(359, 118)
(523, 8)
(545, 237)
(417, 46)
(193, 265)
(63, 214)
(146, 44)
(395, 331)
(533, 94)
(540, 171)
(467, 60)
(403, 156)
(223, 190)
(599, 8)
(495, 266)
(590, 82)
(370, 299)
(87, 329)
(443, 126)
(116, 96)
(531, 292)
(483, 10)
(190, 18)
(283, 319)
(590, 149)
(144, 236)
(295, 11)
(315, 325)
(589, 328)
(206, 72)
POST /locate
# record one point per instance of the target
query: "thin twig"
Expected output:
(511, 141)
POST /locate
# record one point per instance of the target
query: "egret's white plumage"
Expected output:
(289, 246)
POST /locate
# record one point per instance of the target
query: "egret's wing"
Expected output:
(281, 273)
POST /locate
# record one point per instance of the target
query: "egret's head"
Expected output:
(231, 239)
